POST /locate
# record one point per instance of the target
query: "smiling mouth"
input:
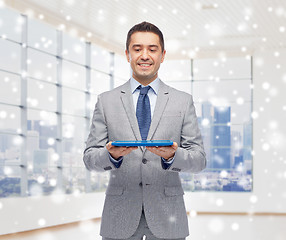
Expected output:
(144, 64)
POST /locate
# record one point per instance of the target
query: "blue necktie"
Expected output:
(143, 112)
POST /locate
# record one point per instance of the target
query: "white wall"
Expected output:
(20, 214)
(269, 169)
(269, 130)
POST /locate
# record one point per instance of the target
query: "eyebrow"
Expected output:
(140, 45)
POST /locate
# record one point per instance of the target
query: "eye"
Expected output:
(137, 49)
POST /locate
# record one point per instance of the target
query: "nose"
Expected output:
(144, 55)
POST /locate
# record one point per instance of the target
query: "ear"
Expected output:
(163, 56)
(127, 56)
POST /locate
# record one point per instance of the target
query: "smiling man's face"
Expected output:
(145, 56)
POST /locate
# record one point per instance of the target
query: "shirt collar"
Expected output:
(154, 85)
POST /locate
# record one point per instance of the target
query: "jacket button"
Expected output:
(140, 184)
(144, 160)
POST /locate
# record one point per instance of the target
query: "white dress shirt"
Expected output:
(152, 93)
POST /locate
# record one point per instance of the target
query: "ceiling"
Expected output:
(192, 28)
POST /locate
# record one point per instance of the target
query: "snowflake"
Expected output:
(3, 114)
(243, 182)
(259, 61)
(273, 125)
(282, 29)
(254, 115)
(69, 2)
(240, 101)
(41, 179)
(41, 222)
(219, 202)
(242, 27)
(243, 49)
(122, 20)
(76, 193)
(205, 122)
(235, 226)
(193, 213)
(77, 48)
(253, 199)
(17, 141)
(265, 147)
(51, 141)
(53, 182)
(172, 219)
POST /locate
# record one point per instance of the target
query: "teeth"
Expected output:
(145, 65)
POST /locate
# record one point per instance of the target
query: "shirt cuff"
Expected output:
(167, 164)
(116, 162)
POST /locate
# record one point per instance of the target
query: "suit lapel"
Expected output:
(162, 99)
(127, 101)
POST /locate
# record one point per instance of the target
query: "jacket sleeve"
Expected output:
(96, 155)
(190, 155)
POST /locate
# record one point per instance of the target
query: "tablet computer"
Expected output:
(155, 143)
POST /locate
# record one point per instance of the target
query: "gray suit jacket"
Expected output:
(141, 180)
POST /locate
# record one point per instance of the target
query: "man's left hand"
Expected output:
(164, 152)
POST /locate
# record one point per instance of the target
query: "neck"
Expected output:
(144, 82)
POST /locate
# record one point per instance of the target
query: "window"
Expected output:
(49, 83)
(11, 138)
(48, 91)
(222, 93)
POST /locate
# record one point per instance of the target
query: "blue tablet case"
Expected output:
(156, 143)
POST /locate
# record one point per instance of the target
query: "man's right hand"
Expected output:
(117, 152)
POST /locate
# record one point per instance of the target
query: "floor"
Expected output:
(202, 227)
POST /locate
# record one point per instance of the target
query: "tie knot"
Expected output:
(144, 90)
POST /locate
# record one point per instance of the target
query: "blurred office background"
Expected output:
(57, 56)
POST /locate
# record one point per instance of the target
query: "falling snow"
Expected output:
(270, 139)
(253, 199)
(42, 222)
(219, 202)
(172, 219)
(235, 226)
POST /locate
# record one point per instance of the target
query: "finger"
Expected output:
(175, 145)
(116, 150)
(108, 145)
(128, 149)
(133, 148)
(153, 150)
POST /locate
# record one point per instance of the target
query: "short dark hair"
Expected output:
(145, 27)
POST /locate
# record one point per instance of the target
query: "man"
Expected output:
(144, 195)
